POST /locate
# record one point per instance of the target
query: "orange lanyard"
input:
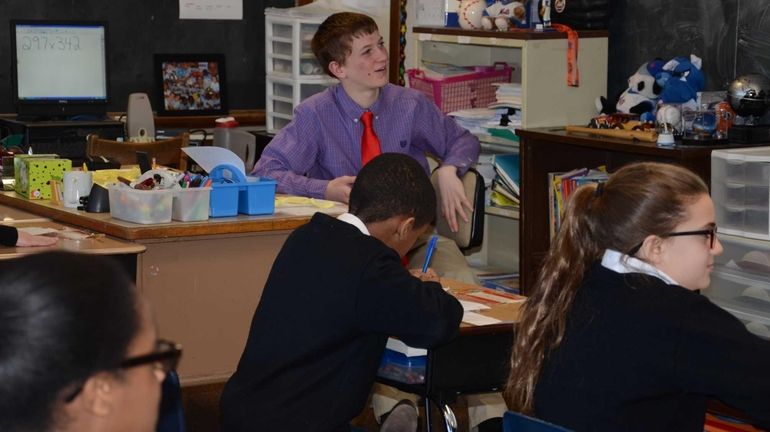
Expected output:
(573, 74)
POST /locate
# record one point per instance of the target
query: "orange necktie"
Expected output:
(370, 144)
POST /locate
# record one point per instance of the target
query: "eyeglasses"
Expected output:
(710, 232)
(165, 357)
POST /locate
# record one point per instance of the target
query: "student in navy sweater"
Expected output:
(336, 292)
(615, 336)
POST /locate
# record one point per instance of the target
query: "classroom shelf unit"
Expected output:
(293, 73)
(540, 65)
(545, 150)
(540, 61)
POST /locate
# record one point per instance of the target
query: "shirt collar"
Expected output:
(351, 109)
(355, 221)
(622, 263)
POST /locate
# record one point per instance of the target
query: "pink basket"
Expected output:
(474, 90)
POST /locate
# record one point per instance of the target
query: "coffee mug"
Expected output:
(76, 184)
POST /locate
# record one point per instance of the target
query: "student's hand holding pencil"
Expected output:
(453, 199)
(428, 276)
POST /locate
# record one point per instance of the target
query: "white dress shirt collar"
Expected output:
(622, 263)
(355, 221)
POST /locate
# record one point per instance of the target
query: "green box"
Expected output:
(32, 174)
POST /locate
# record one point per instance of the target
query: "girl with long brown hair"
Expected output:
(615, 335)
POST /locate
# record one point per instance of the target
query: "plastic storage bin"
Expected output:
(740, 188)
(740, 282)
(140, 206)
(398, 367)
(191, 204)
(233, 193)
(473, 90)
(293, 73)
(284, 94)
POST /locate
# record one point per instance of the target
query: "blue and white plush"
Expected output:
(641, 95)
(681, 79)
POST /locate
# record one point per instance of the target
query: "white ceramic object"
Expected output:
(470, 12)
(486, 23)
(502, 23)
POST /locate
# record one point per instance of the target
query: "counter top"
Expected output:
(104, 223)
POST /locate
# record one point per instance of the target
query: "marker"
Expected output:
(429, 252)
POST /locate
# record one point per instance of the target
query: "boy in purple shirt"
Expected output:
(318, 153)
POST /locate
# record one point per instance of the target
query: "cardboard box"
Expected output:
(32, 174)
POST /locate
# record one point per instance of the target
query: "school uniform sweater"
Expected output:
(8, 235)
(332, 298)
(639, 354)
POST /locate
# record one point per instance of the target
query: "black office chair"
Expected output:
(516, 422)
(471, 234)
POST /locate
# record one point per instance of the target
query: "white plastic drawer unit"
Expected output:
(740, 188)
(740, 282)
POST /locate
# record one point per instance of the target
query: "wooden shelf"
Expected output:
(545, 150)
(523, 34)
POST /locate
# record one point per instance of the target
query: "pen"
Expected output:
(429, 252)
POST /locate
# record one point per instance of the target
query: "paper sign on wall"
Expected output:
(211, 9)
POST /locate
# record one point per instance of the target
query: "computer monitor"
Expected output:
(59, 69)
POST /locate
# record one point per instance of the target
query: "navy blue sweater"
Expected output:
(641, 355)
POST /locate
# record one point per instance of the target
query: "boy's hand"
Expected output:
(428, 276)
(453, 199)
(339, 189)
(26, 239)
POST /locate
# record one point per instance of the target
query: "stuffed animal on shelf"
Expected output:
(681, 79)
(640, 97)
(502, 15)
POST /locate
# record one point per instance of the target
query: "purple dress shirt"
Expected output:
(323, 141)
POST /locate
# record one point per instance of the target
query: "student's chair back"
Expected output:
(471, 233)
(166, 152)
(516, 422)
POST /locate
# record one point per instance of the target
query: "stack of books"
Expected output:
(505, 187)
(563, 185)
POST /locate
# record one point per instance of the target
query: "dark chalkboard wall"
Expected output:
(731, 36)
(140, 28)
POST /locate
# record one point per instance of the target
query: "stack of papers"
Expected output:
(507, 95)
(488, 121)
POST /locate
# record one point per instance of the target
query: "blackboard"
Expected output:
(731, 36)
(140, 28)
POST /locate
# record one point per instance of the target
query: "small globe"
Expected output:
(750, 95)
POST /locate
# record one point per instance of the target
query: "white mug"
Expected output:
(76, 184)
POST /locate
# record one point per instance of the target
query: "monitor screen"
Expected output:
(60, 68)
(190, 84)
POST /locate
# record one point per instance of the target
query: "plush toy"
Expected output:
(681, 79)
(640, 97)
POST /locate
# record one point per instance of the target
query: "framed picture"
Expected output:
(190, 84)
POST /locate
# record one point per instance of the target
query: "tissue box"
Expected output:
(32, 174)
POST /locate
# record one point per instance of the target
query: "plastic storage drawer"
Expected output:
(740, 188)
(740, 282)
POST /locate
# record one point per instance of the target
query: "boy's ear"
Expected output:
(336, 69)
(405, 226)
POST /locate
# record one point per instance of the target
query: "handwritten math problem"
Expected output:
(49, 43)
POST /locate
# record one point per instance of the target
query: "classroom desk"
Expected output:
(476, 361)
(81, 241)
(204, 279)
